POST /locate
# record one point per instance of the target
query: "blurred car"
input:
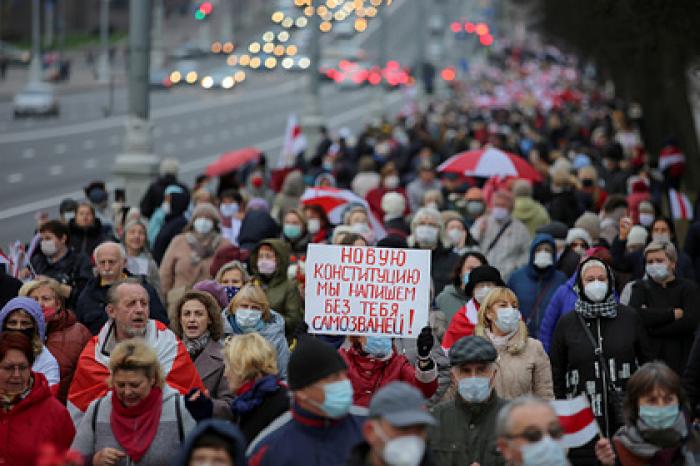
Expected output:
(14, 55)
(160, 79)
(184, 71)
(223, 77)
(188, 50)
(296, 63)
(36, 99)
(344, 29)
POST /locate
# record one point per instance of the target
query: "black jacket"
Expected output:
(633, 262)
(670, 340)
(568, 262)
(257, 225)
(398, 224)
(691, 377)
(9, 287)
(73, 269)
(174, 223)
(564, 207)
(359, 456)
(93, 301)
(156, 191)
(85, 240)
(442, 263)
(272, 407)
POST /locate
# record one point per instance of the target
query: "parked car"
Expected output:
(36, 99)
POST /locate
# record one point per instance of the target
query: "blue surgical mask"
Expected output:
(546, 452)
(378, 347)
(465, 280)
(248, 319)
(507, 319)
(292, 231)
(338, 398)
(231, 291)
(659, 417)
(474, 389)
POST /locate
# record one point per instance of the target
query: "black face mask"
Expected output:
(27, 332)
(587, 183)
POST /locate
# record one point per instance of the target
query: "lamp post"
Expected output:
(420, 49)
(103, 68)
(380, 99)
(158, 41)
(312, 119)
(35, 64)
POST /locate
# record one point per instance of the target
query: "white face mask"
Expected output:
(427, 235)
(543, 259)
(507, 319)
(455, 236)
(646, 219)
(48, 247)
(248, 318)
(500, 213)
(580, 250)
(407, 450)
(596, 290)
(481, 293)
(391, 182)
(203, 225)
(165, 207)
(360, 228)
(229, 210)
(313, 225)
(661, 237)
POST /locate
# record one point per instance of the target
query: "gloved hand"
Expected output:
(199, 405)
(425, 342)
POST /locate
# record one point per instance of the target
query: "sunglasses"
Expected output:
(533, 434)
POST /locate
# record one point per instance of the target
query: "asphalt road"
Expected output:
(43, 161)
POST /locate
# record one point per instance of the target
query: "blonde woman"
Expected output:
(249, 312)
(251, 370)
(523, 365)
(232, 276)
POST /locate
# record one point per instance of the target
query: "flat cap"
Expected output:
(472, 349)
(401, 405)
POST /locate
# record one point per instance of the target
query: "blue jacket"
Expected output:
(308, 440)
(534, 287)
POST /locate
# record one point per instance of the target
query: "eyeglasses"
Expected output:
(533, 434)
(15, 367)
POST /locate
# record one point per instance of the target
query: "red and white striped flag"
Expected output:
(577, 419)
(681, 208)
(294, 143)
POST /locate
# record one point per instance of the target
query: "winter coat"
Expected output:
(359, 456)
(257, 225)
(210, 367)
(165, 445)
(281, 292)
(465, 433)
(216, 428)
(564, 207)
(531, 213)
(562, 302)
(692, 247)
(368, 374)
(65, 339)
(442, 263)
(145, 265)
(568, 262)
(416, 189)
(36, 420)
(691, 377)
(73, 269)
(91, 308)
(634, 263)
(288, 197)
(175, 222)
(364, 182)
(9, 287)
(256, 420)
(512, 248)
(298, 246)
(156, 192)
(450, 300)
(535, 287)
(397, 226)
(300, 438)
(85, 239)
(670, 340)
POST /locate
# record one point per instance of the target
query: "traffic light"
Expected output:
(203, 10)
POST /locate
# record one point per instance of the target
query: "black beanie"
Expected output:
(484, 273)
(311, 361)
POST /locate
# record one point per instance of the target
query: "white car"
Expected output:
(36, 99)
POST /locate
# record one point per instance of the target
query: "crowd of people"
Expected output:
(172, 332)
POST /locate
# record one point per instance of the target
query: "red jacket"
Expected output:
(36, 420)
(65, 339)
(368, 375)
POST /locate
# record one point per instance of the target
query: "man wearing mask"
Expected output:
(473, 205)
(528, 433)
(397, 429)
(319, 430)
(465, 433)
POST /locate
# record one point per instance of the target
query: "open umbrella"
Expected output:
(486, 163)
(230, 161)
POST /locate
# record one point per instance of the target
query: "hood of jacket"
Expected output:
(222, 429)
(29, 305)
(293, 184)
(179, 203)
(578, 288)
(257, 224)
(526, 208)
(282, 252)
(541, 238)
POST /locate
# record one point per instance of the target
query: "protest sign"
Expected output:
(357, 290)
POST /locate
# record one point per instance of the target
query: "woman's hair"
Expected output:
(233, 265)
(135, 355)
(318, 210)
(250, 356)
(349, 239)
(216, 325)
(135, 223)
(649, 377)
(253, 293)
(457, 271)
(16, 341)
(33, 285)
(499, 293)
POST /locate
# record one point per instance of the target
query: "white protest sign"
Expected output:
(357, 290)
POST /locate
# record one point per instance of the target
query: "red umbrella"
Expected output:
(232, 160)
(485, 163)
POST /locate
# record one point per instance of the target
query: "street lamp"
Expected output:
(312, 119)
(35, 64)
(103, 69)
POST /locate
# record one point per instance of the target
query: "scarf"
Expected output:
(8, 401)
(252, 394)
(202, 247)
(136, 427)
(664, 444)
(196, 345)
(500, 342)
(588, 310)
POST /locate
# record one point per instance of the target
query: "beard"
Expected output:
(134, 332)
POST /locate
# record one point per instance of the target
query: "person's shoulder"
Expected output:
(443, 408)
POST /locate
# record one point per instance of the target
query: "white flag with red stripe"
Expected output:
(681, 208)
(577, 419)
(294, 143)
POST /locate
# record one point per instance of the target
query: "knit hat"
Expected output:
(208, 210)
(217, 291)
(591, 223)
(578, 233)
(393, 203)
(472, 349)
(556, 230)
(484, 273)
(311, 361)
(637, 236)
(522, 188)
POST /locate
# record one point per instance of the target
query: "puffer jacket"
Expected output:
(368, 374)
(450, 300)
(531, 213)
(65, 339)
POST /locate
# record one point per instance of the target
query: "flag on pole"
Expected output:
(577, 419)
(681, 208)
(294, 143)
(6, 262)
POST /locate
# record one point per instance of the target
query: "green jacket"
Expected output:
(466, 433)
(281, 292)
(450, 300)
(531, 213)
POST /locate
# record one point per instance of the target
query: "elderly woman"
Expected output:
(251, 370)
(189, 256)
(453, 296)
(65, 336)
(24, 315)
(523, 365)
(232, 276)
(196, 319)
(294, 231)
(29, 414)
(139, 260)
(141, 420)
(248, 312)
(426, 231)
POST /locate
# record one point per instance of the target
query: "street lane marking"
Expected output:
(55, 170)
(28, 153)
(15, 178)
(90, 164)
(114, 140)
(88, 144)
(60, 148)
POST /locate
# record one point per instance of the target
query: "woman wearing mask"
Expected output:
(453, 296)
(294, 231)
(317, 223)
(523, 366)
(389, 183)
(358, 220)
(65, 336)
(457, 234)
(232, 276)
(141, 420)
(250, 312)
(596, 349)
(189, 256)
(197, 322)
(481, 281)
(251, 370)
(657, 430)
(139, 260)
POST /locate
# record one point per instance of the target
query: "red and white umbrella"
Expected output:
(486, 163)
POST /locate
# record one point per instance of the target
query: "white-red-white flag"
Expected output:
(294, 143)
(577, 419)
(681, 208)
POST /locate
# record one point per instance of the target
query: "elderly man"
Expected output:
(528, 431)
(110, 262)
(426, 233)
(465, 433)
(503, 239)
(127, 308)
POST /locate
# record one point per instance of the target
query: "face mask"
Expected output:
(231, 291)
(407, 450)
(68, 216)
(543, 259)
(338, 398)
(596, 291)
(481, 293)
(378, 347)
(646, 219)
(165, 207)
(465, 279)
(27, 332)
(267, 266)
(427, 235)
(391, 182)
(360, 228)
(48, 247)
(248, 318)
(292, 231)
(546, 452)
(49, 313)
(475, 208)
(500, 213)
(455, 236)
(474, 389)
(229, 210)
(313, 225)
(432, 205)
(658, 272)
(659, 417)
(203, 225)
(580, 250)
(661, 237)
(507, 319)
